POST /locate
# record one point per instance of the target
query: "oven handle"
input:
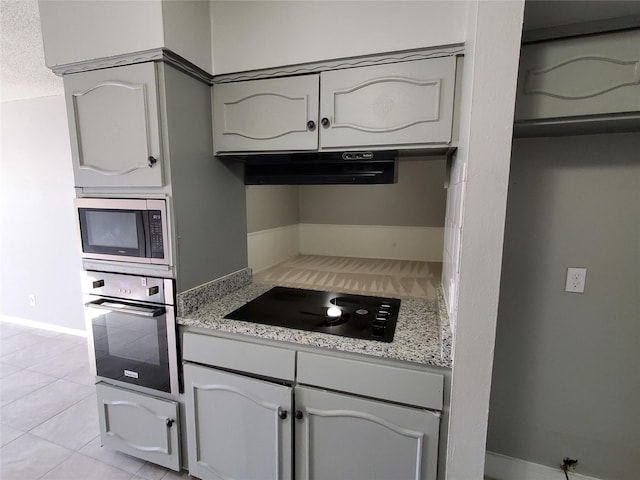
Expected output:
(141, 311)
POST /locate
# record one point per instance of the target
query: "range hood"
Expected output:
(320, 168)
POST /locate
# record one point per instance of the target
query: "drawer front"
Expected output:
(592, 75)
(139, 425)
(411, 387)
(262, 360)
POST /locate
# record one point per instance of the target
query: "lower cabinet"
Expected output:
(143, 426)
(237, 427)
(340, 436)
(243, 427)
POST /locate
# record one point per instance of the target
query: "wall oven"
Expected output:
(131, 329)
(131, 230)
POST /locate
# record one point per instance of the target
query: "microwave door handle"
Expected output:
(128, 309)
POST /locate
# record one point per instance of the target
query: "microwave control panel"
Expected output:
(155, 227)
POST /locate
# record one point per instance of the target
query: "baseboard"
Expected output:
(373, 241)
(42, 325)
(501, 467)
(267, 248)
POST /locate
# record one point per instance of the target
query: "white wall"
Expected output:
(488, 97)
(75, 31)
(565, 379)
(187, 30)
(255, 34)
(39, 251)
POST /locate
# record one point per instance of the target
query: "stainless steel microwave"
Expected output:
(127, 230)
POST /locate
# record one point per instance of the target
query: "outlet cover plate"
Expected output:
(576, 278)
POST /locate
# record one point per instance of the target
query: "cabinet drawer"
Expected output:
(139, 425)
(592, 75)
(241, 356)
(411, 387)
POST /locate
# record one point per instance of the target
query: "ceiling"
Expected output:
(23, 73)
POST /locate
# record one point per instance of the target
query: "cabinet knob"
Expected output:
(151, 161)
(170, 422)
(282, 414)
(311, 125)
(298, 414)
(325, 122)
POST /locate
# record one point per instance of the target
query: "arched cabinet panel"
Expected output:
(342, 436)
(114, 126)
(595, 75)
(407, 103)
(140, 425)
(239, 428)
(266, 115)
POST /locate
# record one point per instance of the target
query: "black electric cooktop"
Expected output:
(355, 316)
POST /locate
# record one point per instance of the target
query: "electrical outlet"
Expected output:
(32, 300)
(576, 278)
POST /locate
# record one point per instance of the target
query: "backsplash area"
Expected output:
(365, 276)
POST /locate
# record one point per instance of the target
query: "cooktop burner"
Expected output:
(355, 316)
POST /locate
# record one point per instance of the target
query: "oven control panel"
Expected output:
(131, 287)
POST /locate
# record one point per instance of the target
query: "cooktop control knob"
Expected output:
(378, 327)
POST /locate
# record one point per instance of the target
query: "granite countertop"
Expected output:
(422, 333)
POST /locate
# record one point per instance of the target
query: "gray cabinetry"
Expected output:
(114, 127)
(238, 427)
(407, 103)
(266, 115)
(579, 77)
(395, 105)
(342, 436)
(140, 425)
(248, 428)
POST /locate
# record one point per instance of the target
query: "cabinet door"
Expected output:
(581, 76)
(340, 436)
(139, 425)
(235, 428)
(114, 126)
(266, 115)
(408, 103)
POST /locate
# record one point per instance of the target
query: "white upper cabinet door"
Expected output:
(239, 428)
(397, 104)
(114, 127)
(581, 76)
(345, 437)
(266, 115)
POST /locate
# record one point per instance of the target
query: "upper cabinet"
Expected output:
(585, 76)
(394, 105)
(114, 127)
(271, 114)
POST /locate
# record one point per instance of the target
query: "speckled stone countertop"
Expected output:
(422, 333)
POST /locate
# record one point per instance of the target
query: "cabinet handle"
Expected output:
(325, 122)
(170, 422)
(151, 161)
(311, 125)
(298, 414)
(282, 414)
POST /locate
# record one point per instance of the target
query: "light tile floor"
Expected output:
(49, 416)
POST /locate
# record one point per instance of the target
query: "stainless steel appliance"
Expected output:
(132, 330)
(356, 316)
(132, 230)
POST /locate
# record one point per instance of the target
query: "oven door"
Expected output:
(133, 342)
